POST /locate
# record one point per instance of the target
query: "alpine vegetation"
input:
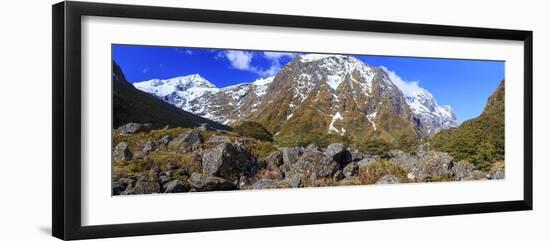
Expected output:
(307, 120)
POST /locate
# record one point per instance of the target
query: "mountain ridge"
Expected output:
(335, 76)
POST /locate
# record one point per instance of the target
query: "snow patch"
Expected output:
(372, 117)
(331, 127)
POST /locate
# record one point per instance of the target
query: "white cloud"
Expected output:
(278, 55)
(146, 69)
(184, 51)
(242, 60)
(409, 88)
(239, 59)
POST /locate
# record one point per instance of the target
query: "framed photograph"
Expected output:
(171, 120)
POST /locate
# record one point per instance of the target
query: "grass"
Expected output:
(373, 171)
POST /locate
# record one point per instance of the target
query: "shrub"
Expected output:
(253, 130)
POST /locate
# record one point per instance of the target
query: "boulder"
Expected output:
(128, 180)
(312, 147)
(316, 164)
(275, 159)
(497, 170)
(351, 169)
(294, 181)
(149, 146)
(121, 152)
(364, 162)
(462, 170)
(243, 181)
(388, 179)
(145, 187)
(339, 153)
(426, 164)
(219, 139)
(475, 175)
(402, 158)
(271, 172)
(291, 154)
(176, 186)
(118, 187)
(338, 175)
(163, 141)
(186, 140)
(133, 128)
(202, 182)
(229, 161)
(269, 184)
(163, 179)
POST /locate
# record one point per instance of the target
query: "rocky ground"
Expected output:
(174, 160)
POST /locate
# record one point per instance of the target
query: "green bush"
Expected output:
(253, 130)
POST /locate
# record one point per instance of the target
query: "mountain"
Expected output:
(432, 117)
(195, 94)
(133, 105)
(314, 96)
(479, 140)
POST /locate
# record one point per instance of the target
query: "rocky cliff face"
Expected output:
(315, 95)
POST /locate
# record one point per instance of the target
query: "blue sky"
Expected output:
(463, 84)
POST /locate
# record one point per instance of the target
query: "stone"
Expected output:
(312, 147)
(122, 152)
(316, 164)
(229, 161)
(163, 179)
(364, 162)
(338, 175)
(291, 154)
(462, 170)
(388, 179)
(163, 141)
(145, 187)
(497, 171)
(176, 186)
(275, 159)
(186, 140)
(269, 184)
(133, 128)
(339, 153)
(219, 139)
(202, 182)
(118, 187)
(294, 181)
(351, 169)
(149, 146)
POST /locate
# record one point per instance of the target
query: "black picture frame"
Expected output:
(66, 127)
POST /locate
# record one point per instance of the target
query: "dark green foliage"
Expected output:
(376, 147)
(253, 130)
(479, 141)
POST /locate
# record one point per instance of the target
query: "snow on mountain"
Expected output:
(178, 91)
(196, 94)
(424, 106)
(346, 78)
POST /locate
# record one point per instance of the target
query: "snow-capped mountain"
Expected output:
(196, 94)
(314, 93)
(178, 91)
(432, 116)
